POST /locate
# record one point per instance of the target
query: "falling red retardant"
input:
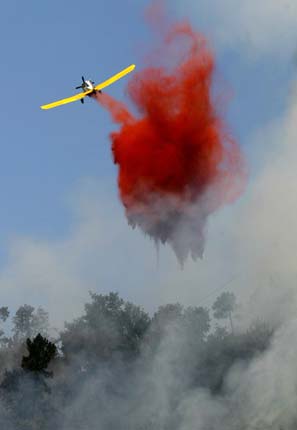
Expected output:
(177, 162)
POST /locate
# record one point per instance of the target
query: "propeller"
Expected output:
(81, 86)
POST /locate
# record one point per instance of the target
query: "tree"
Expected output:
(224, 306)
(41, 353)
(40, 322)
(134, 323)
(183, 332)
(4, 314)
(23, 322)
(197, 321)
(109, 325)
(24, 391)
(28, 322)
(166, 316)
(224, 349)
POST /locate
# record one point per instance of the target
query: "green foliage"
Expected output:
(191, 324)
(197, 321)
(4, 313)
(224, 305)
(223, 350)
(22, 322)
(41, 353)
(28, 323)
(109, 325)
(24, 391)
(40, 322)
(114, 353)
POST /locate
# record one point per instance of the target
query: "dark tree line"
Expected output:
(115, 347)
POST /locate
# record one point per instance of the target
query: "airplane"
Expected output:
(86, 86)
(88, 89)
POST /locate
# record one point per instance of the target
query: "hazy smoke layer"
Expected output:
(177, 162)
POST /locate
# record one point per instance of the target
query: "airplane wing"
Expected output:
(67, 100)
(115, 78)
(98, 88)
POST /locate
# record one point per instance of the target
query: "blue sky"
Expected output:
(46, 47)
(48, 157)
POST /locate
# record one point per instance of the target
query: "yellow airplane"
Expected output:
(89, 89)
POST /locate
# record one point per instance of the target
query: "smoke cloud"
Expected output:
(177, 161)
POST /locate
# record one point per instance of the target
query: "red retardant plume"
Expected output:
(177, 163)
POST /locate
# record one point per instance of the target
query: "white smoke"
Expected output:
(251, 27)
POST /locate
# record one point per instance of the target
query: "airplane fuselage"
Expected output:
(88, 86)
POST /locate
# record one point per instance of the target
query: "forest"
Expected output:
(117, 367)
